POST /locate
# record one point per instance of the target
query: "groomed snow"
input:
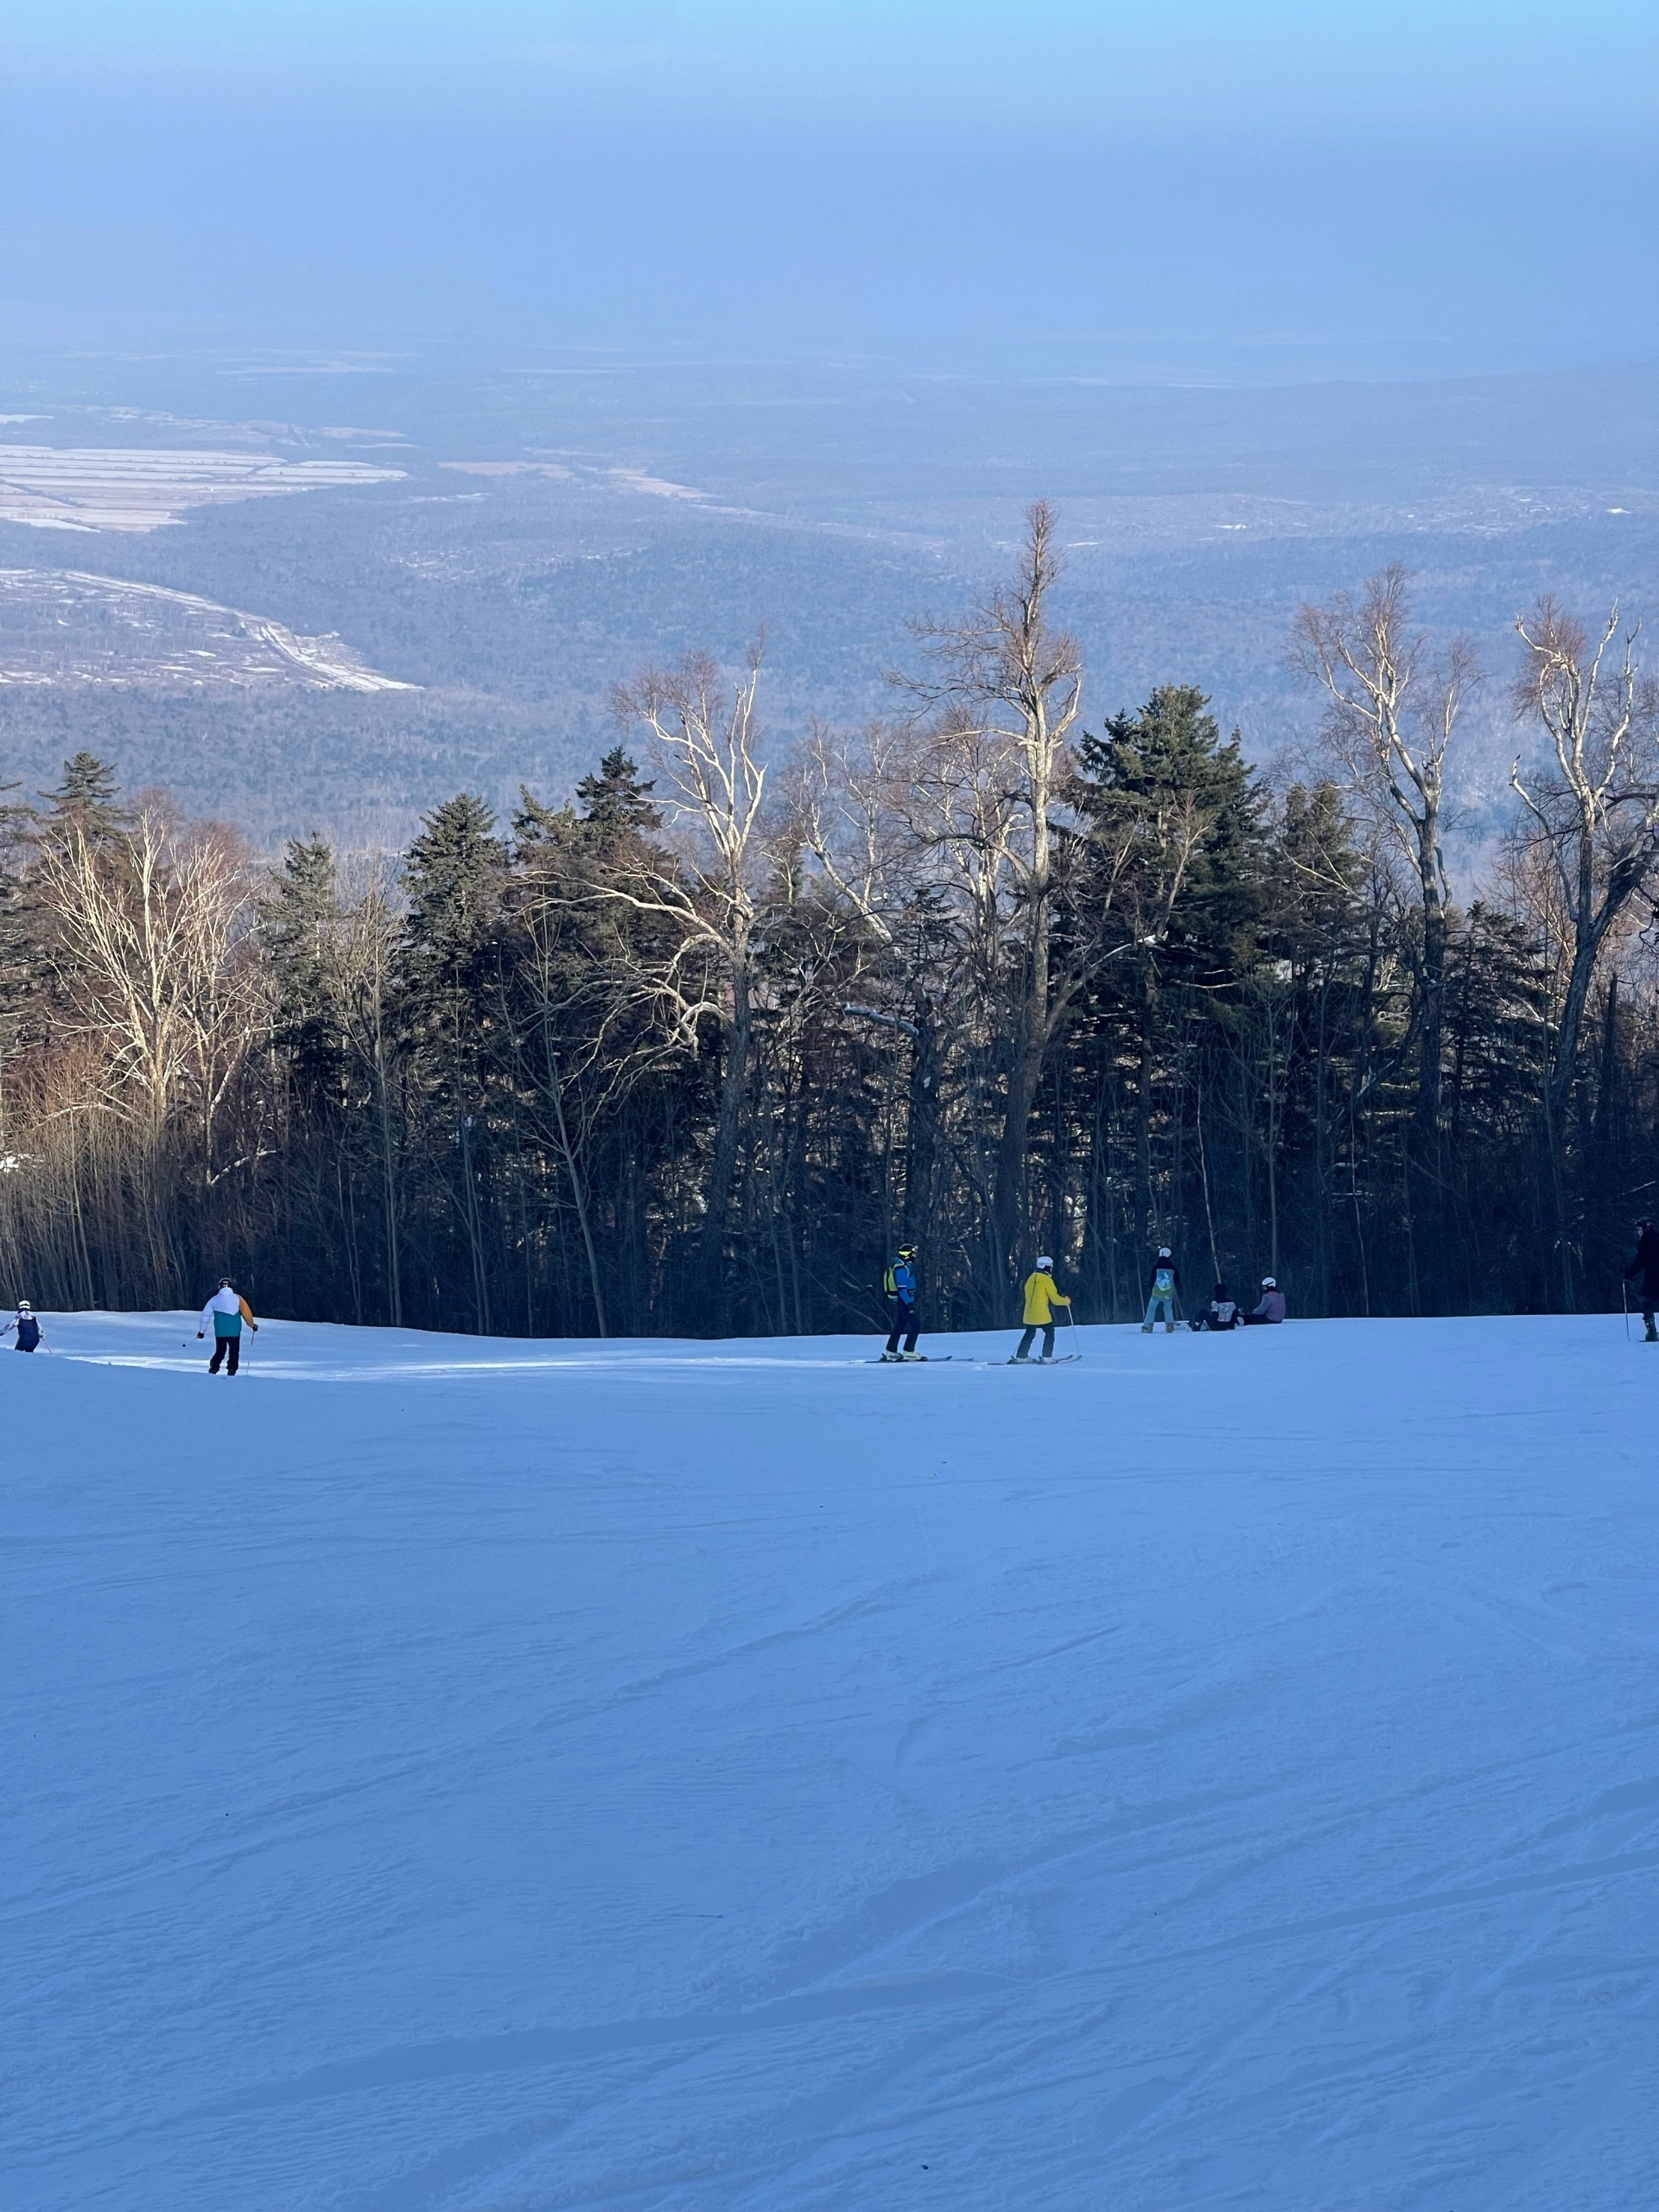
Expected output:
(450, 1776)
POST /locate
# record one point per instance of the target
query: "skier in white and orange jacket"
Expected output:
(227, 1310)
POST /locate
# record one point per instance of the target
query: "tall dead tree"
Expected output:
(710, 904)
(1006, 688)
(1392, 713)
(1595, 805)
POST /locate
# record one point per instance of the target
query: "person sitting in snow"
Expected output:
(1164, 1287)
(1041, 1298)
(1221, 1312)
(28, 1328)
(1272, 1308)
(227, 1311)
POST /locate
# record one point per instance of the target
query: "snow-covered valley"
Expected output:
(461, 1775)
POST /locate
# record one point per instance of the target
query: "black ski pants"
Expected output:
(233, 1346)
(1030, 1338)
(904, 1324)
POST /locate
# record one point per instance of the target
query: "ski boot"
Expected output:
(891, 1358)
(1146, 1328)
(913, 1359)
(1652, 1336)
(1169, 1328)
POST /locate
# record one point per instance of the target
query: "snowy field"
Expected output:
(54, 487)
(446, 1777)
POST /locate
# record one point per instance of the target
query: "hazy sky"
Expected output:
(1081, 186)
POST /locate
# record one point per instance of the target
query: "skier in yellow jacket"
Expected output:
(1042, 1296)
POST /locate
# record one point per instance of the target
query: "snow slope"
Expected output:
(458, 1776)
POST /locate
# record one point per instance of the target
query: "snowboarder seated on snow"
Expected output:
(1164, 1287)
(28, 1328)
(1643, 1271)
(1042, 1296)
(900, 1286)
(1221, 1313)
(227, 1311)
(1272, 1308)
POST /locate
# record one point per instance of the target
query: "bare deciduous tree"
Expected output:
(709, 742)
(149, 930)
(1392, 714)
(1006, 692)
(1596, 805)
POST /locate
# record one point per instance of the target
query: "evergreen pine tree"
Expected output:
(1190, 806)
(297, 920)
(616, 803)
(454, 877)
(88, 799)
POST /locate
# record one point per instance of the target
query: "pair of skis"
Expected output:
(944, 1359)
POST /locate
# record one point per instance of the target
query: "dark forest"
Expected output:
(690, 1055)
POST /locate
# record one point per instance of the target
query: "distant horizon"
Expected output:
(1111, 182)
(1218, 365)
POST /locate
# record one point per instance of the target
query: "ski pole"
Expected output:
(1624, 1293)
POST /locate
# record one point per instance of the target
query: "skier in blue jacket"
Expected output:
(901, 1297)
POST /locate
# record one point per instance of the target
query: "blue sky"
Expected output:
(923, 182)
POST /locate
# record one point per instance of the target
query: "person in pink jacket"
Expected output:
(1272, 1307)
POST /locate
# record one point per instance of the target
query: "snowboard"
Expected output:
(1060, 1359)
(926, 1359)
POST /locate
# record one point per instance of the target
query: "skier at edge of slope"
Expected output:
(228, 1311)
(28, 1328)
(1042, 1295)
(1646, 1265)
(899, 1283)
(1164, 1287)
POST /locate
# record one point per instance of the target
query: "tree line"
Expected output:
(692, 1053)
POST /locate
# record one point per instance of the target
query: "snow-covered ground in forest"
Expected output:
(445, 1775)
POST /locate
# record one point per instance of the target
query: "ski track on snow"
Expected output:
(711, 1778)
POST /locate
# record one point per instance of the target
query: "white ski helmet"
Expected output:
(1044, 1260)
(1269, 1283)
(1164, 1252)
(24, 1306)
